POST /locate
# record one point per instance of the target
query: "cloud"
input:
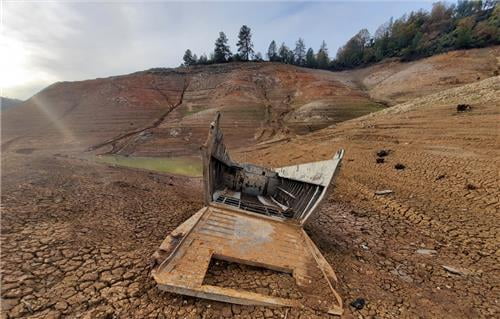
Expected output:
(44, 42)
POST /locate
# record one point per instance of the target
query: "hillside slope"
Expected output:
(445, 198)
(395, 82)
(167, 109)
(164, 112)
(7, 103)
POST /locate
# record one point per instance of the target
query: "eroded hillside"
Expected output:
(77, 236)
(395, 82)
(166, 111)
(162, 111)
(442, 209)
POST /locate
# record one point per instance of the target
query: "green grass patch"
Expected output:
(184, 165)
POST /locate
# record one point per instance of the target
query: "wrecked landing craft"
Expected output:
(253, 216)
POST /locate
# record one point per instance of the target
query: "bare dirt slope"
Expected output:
(395, 82)
(163, 110)
(76, 236)
(445, 199)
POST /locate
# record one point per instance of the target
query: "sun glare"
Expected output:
(13, 62)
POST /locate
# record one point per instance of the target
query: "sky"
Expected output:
(42, 42)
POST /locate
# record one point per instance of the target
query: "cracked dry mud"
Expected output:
(77, 237)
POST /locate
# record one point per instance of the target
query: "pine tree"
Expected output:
(222, 52)
(258, 57)
(188, 58)
(310, 59)
(203, 59)
(272, 53)
(322, 58)
(283, 53)
(245, 45)
(300, 52)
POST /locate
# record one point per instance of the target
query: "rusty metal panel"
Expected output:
(318, 173)
(248, 239)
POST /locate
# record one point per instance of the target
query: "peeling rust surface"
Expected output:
(248, 239)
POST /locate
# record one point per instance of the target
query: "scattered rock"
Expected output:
(426, 251)
(383, 153)
(358, 213)
(380, 160)
(456, 271)
(358, 303)
(464, 108)
(470, 187)
(399, 166)
(440, 177)
(58, 199)
(384, 192)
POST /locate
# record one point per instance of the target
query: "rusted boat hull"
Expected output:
(253, 216)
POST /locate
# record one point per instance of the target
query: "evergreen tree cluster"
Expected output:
(468, 24)
(222, 52)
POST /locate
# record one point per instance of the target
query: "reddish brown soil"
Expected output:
(446, 199)
(395, 82)
(76, 237)
(166, 111)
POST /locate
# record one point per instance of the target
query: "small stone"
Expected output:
(399, 166)
(384, 192)
(463, 108)
(58, 199)
(383, 153)
(470, 187)
(440, 177)
(456, 271)
(426, 251)
(358, 303)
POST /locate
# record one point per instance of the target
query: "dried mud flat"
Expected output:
(77, 237)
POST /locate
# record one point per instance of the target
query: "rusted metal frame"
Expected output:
(236, 209)
(215, 159)
(286, 192)
(303, 199)
(169, 262)
(183, 239)
(253, 263)
(327, 271)
(310, 201)
(338, 157)
(232, 296)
